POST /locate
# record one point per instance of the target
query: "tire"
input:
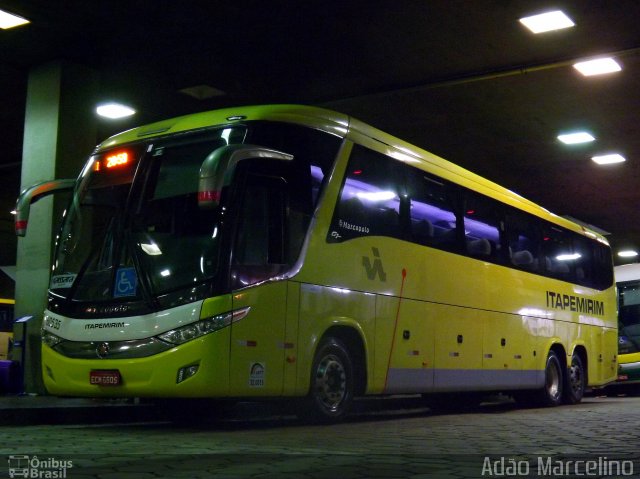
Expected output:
(576, 381)
(332, 384)
(552, 392)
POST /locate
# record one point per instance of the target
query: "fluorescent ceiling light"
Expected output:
(114, 110)
(609, 159)
(577, 137)
(599, 66)
(568, 257)
(546, 22)
(9, 20)
(627, 253)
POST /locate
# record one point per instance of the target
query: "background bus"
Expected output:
(7, 302)
(628, 282)
(288, 251)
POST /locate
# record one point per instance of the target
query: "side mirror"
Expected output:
(33, 194)
(217, 169)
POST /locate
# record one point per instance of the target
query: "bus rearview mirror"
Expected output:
(218, 168)
(33, 194)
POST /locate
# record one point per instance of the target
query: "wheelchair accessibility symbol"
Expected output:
(126, 283)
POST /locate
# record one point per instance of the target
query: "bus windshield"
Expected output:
(134, 223)
(135, 231)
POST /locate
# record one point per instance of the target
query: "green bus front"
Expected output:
(156, 262)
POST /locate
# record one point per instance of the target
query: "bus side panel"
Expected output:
(411, 365)
(290, 345)
(458, 349)
(609, 358)
(257, 341)
(323, 307)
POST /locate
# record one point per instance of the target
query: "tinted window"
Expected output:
(369, 203)
(431, 214)
(482, 225)
(523, 240)
(381, 196)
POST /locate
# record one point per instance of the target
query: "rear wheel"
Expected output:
(576, 381)
(331, 392)
(551, 394)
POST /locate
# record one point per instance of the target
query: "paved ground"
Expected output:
(385, 439)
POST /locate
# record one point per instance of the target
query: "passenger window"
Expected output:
(594, 265)
(369, 203)
(602, 266)
(522, 241)
(559, 256)
(482, 226)
(431, 213)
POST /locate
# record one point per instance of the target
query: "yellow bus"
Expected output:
(294, 252)
(628, 282)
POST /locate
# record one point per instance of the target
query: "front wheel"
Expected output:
(331, 391)
(576, 381)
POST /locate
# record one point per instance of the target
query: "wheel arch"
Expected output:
(354, 341)
(561, 353)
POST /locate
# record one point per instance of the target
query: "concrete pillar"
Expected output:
(60, 131)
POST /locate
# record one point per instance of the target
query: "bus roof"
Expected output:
(346, 127)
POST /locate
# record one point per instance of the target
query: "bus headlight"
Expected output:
(202, 327)
(50, 339)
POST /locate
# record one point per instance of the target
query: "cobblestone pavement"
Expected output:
(598, 438)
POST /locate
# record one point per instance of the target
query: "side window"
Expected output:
(274, 211)
(261, 243)
(603, 266)
(482, 227)
(594, 265)
(369, 203)
(559, 256)
(523, 244)
(583, 263)
(432, 213)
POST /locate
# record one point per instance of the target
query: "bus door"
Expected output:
(258, 262)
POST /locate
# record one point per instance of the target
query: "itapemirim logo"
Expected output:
(22, 465)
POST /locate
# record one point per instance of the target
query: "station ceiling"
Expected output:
(461, 78)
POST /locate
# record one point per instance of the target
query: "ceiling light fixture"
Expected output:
(9, 20)
(575, 138)
(114, 110)
(609, 159)
(627, 253)
(546, 22)
(599, 66)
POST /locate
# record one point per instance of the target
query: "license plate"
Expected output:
(105, 377)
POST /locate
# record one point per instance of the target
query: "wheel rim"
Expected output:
(331, 382)
(554, 387)
(575, 379)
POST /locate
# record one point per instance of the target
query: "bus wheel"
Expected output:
(331, 392)
(576, 381)
(553, 381)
